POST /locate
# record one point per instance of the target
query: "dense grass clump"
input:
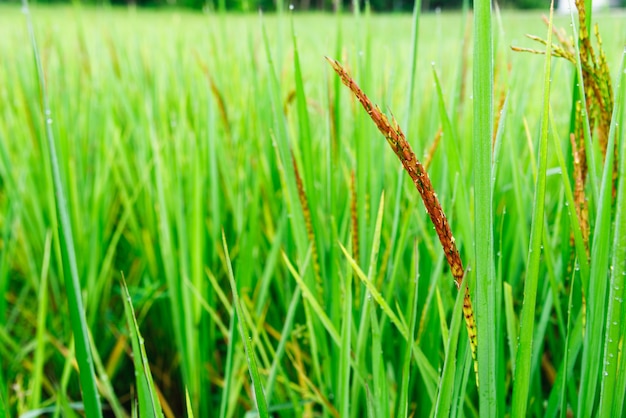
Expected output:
(278, 259)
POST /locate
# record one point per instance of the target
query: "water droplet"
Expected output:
(291, 7)
(49, 121)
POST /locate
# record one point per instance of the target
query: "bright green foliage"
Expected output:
(147, 399)
(171, 127)
(521, 382)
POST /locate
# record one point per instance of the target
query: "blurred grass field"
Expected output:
(171, 128)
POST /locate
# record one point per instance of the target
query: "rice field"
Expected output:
(279, 260)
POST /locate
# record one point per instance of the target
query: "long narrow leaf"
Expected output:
(483, 216)
(87, 374)
(149, 405)
(259, 395)
(611, 400)
(523, 367)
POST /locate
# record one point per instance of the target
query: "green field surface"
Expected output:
(278, 259)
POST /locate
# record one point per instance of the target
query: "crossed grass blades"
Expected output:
(396, 139)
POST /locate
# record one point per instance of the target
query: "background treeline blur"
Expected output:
(320, 5)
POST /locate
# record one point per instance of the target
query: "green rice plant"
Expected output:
(445, 392)
(487, 307)
(87, 375)
(147, 400)
(258, 394)
(613, 314)
(611, 388)
(235, 130)
(402, 149)
(403, 404)
(524, 351)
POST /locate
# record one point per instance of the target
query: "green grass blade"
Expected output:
(581, 252)
(596, 297)
(315, 306)
(408, 115)
(188, 405)
(567, 353)
(417, 8)
(87, 374)
(4, 407)
(447, 380)
(346, 345)
(284, 336)
(614, 335)
(451, 145)
(511, 323)
(41, 326)
(284, 152)
(619, 248)
(376, 295)
(485, 300)
(229, 365)
(406, 361)
(379, 384)
(149, 405)
(379, 381)
(522, 377)
(258, 395)
(106, 386)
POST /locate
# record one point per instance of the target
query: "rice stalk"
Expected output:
(219, 97)
(398, 143)
(306, 212)
(433, 147)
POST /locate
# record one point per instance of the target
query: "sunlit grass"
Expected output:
(171, 127)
